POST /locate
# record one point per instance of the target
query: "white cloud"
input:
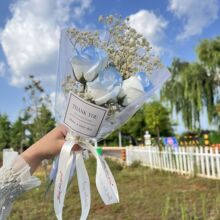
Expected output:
(151, 26)
(30, 38)
(196, 15)
(2, 68)
(79, 11)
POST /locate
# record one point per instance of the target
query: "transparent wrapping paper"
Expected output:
(96, 95)
(113, 121)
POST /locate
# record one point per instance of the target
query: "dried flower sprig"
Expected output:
(83, 38)
(128, 50)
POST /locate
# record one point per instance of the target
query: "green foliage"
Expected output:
(194, 86)
(34, 99)
(111, 140)
(198, 89)
(214, 137)
(4, 131)
(157, 119)
(42, 124)
(114, 165)
(136, 126)
(190, 90)
(135, 164)
(37, 120)
(152, 116)
(208, 52)
(38, 116)
(18, 134)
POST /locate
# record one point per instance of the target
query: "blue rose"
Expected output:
(134, 87)
(106, 86)
(142, 77)
(88, 63)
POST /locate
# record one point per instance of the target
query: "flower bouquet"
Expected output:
(103, 79)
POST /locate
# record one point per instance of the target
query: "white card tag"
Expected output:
(84, 117)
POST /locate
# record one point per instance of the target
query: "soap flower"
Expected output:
(106, 86)
(88, 62)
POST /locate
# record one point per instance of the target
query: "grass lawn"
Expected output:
(144, 194)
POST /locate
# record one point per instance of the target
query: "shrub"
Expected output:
(135, 164)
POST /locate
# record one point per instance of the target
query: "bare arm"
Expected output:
(17, 179)
(47, 147)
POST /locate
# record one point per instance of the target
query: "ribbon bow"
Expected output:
(105, 181)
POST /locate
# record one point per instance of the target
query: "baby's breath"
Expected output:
(128, 50)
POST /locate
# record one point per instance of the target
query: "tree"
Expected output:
(17, 134)
(173, 92)
(35, 98)
(42, 124)
(190, 90)
(4, 131)
(199, 91)
(133, 130)
(39, 119)
(208, 52)
(135, 126)
(157, 119)
(152, 116)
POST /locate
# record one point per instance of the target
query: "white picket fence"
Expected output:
(200, 161)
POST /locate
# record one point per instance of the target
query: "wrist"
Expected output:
(33, 157)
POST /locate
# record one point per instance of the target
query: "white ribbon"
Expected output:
(84, 185)
(65, 161)
(105, 182)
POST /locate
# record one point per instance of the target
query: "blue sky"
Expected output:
(29, 35)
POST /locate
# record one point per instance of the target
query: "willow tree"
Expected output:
(190, 89)
(208, 52)
(173, 92)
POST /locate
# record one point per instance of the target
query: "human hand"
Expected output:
(47, 147)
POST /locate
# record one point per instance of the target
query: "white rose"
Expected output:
(88, 63)
(132, 88)
(106, 86)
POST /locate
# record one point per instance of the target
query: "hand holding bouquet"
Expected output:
(103, 79)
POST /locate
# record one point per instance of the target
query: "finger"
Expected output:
(62, 129)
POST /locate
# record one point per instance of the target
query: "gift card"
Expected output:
(83, 117)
